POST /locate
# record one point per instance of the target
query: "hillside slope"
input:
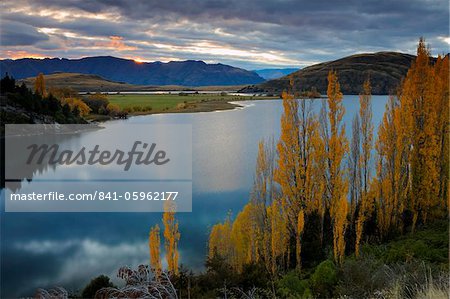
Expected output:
(385, 69)
(185, 73)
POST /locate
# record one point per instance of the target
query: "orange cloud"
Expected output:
(116, 43)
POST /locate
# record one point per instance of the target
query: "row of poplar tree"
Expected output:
(317, 193)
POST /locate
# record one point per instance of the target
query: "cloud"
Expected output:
(19, 34)
(247, 34)
(116, 42)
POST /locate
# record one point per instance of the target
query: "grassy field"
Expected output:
(166, 102)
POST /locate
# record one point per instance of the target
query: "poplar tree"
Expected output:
(171, 237)
(337, 148)
(154, 243)
(366, 128)
(39, 85)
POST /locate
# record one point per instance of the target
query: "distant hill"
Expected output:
(269, 74)
(385, 69)
(185, 73)
(94, 83)
(83, 82)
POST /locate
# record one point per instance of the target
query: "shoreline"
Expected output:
(192, 107)
(195, 107)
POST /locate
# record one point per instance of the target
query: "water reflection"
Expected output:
(47, 249)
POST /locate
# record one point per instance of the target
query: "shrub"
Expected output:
(324, 279)
(253, 275)
(361, 278)
(96, 102)
(57, 292)
(414, 280)
(430, 245)
(140, 283)
(73, 103)
(291, 286)
(113, 109)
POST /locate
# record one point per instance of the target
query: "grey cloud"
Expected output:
(301, 30)
(19, 34)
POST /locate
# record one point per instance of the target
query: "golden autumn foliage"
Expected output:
(220, 240)
(279, 237)
(39, 85)
(262, 195)
(337, 148)
(365, 116)
(305, 183)
(339, 227)
(391, 168)
(113, 108)
(364, 169)
(154, 244)
(243, 238)
(354, 167)
(297, 173)
(171, 237)
(259, 232)
(287, 175)
(413, 146)
(300, 227)
(75, 103)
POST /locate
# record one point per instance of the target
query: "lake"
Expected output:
(69, 249)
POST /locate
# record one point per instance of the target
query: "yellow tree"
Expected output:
(392, 167)
(300, 228)
(365, 116)
(321, 141)
(243, 236)
(154, 244)
(309, 175)
(354, 167)
(75, 103)
(295, 172)
(339, 227)
(262, 196)
(366, 127)
(310, 146)
(278, 235)
(39, 85)
(171, 237)
(337, 148)
(262, 192)
(220, 242)
(440, 104)
(413, 98)
(436, 140)
(288, 172)
(421, 95)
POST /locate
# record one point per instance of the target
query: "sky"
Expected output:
(251, 34)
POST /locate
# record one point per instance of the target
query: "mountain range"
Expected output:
(184, 73)
(385, 70)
